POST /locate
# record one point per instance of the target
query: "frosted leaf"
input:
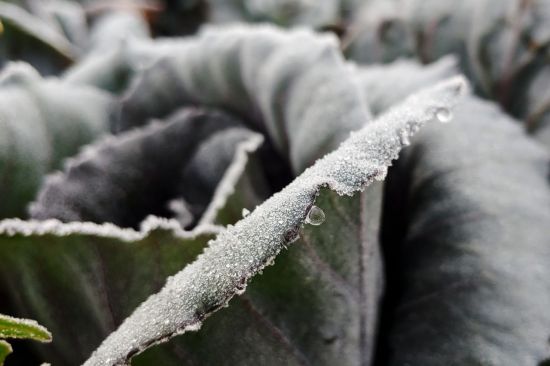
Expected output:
(11, 327)
(272, 74)
(493, 40)
(405, 76)
(241, 175)
(137, 262)
(146, 170)
(243, 250)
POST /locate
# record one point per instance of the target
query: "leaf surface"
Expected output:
(42, 122)
(136, 174)
(238, 253)
(82, 279)
(264, 75)
(5, 350)
(23, 328)
(466, 236)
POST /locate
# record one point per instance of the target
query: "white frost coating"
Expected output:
(12, 227)
(233, 173)
(241, 251)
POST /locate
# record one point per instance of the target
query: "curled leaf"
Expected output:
(264, 75)
(502, 46)
(466, 239)
(42, 122)
(137, 173)
(23, 328)
(405, 76)
(226, 265)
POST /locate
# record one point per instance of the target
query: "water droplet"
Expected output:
(443, 115)
(315, 216)
(245, 212)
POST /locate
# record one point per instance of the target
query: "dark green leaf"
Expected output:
(136, 174)
(317, 305)
(241, 251)
(466, 236)
(81, 280)
(266, 76)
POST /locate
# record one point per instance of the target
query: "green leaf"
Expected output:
(42, 122)
(23, 328)
(243, 185)
(28, 38)
(405, 77)
(241, 251)
(502, 46)
(138, 173)
(81, 279)
(316, 305)
(5, 350)
(466, 240)
(263, 74)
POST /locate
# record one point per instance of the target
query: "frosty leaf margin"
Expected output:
(238, 253)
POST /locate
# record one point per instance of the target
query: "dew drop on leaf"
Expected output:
(443, 115)
(315, 216)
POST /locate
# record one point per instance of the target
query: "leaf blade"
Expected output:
(23, 328)
(225, 267)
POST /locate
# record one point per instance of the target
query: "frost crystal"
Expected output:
(243, 250)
